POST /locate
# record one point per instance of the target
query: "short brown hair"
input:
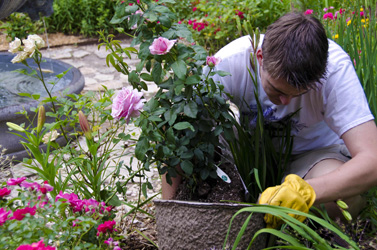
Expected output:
(295, 49)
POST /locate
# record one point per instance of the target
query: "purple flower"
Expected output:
(212, 61)
(13, 182)
(161, 46)
(127, 104)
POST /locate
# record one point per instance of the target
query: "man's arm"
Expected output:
(355, 176)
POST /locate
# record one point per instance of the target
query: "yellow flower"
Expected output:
(361, 9)
(50, 136)
(363, 20)
(335, 37)
(349, 22)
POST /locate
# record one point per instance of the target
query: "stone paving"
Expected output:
(91, 62)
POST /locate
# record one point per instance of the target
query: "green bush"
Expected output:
(84, 17)
(20, 25)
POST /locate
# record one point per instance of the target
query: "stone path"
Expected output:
(92, 64)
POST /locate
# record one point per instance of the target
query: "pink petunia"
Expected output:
(4, 192)
(35, 246)
(19, 214)
(17, 181)
(4, 215)
(161, 46)
(328, 15)
(127, 104)
(107, 226)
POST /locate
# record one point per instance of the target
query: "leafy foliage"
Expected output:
(20, 25)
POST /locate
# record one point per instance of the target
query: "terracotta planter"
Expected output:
(203, 226)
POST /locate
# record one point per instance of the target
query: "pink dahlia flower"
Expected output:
(161, 46)
(127, 104)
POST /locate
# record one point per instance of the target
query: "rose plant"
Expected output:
(181, 124)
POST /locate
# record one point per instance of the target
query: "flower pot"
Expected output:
(203, 226)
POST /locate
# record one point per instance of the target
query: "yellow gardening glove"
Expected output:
(293, 193)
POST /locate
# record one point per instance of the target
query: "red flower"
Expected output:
(19, 214)
(108, 226)
(194, 9)
(240, 14)
(4, 192)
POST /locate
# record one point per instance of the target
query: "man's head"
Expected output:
(294, 50)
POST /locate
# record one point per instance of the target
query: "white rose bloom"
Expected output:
(29, 46)
(50, 136)
(37, 40)
(20, 57)
(15, 45)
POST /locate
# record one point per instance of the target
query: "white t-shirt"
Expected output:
(338, 104)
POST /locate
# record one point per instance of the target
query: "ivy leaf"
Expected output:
(179, 67)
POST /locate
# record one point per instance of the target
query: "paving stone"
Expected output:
(80, 53)
(103, 77)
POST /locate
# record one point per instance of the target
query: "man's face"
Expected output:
(278, 91)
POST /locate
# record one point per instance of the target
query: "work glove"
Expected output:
(293, 193)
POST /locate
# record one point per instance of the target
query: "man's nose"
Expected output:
(285, 100)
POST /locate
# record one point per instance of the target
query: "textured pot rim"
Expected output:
(201, 204)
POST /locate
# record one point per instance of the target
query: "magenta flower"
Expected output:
(161, 46)
(328, 15)
(13, 182)
(19, 214)
(361, 13)
(308, 12)
(30, 185)
(127, 104)
(240, 14)
(4, 192)
(194, 9)
(107, 226)
(212, 61)
(325, 9)
(35, 246)
(4, 215)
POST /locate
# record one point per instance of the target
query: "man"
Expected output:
(335, 143)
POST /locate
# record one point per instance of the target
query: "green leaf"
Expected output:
(187, 167)
(191, 109)
(183, 125)
(141, 148)
(146, 77)
(192, 80)
(157, 72)
(180, 69)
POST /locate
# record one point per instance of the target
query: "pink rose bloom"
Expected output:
(212, 61)
(194, 9)
(35, 246)
(328, 15)
(161, 46)
(127, 104)
(4, 192)
(45, 187)
(13, 182)
(19, 214)
(68, 197)
(4, 215)
(108, 226)
(308, 12)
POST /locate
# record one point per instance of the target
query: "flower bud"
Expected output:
(85, 127)
(41, 118)
(342, 204)
(346, 215)
(15, 127)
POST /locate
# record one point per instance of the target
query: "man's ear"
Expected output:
(260, 56)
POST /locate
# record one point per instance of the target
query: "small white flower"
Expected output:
(20, 57)
(50, 136)
(15, 45)
(38, 41)
(29, 46)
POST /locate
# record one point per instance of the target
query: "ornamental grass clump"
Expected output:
(180, 124)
